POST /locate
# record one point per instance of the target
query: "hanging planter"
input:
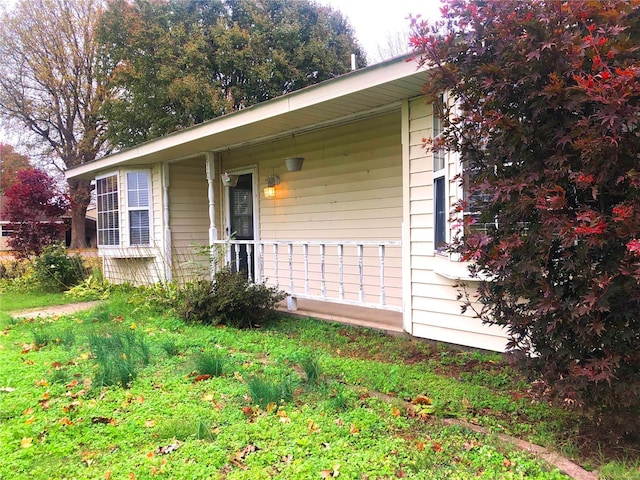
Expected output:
(229, 180)
(294, 164)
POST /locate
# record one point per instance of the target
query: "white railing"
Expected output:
(348, 272)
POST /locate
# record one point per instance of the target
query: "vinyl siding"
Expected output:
(188, 215)
(349, 189)
(433, 308)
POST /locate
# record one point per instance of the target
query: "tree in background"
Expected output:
(546, 124)
(11, 162)
(50, 84)
(177, 63)
(34, 208)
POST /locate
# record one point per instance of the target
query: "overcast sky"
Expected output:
(375, 21)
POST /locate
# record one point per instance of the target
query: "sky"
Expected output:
(374, 21)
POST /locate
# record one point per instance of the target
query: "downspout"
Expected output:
(168, 263)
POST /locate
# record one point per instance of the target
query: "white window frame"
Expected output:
(137, 208)
(101, 228)
(440, 168)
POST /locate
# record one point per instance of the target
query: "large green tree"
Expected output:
(176, 63)
(546, 121)
(49, 85)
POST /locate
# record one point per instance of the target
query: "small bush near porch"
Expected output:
(294, 399)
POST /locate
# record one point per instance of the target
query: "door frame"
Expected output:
(255, 184)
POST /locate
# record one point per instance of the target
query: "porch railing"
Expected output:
(347, 272)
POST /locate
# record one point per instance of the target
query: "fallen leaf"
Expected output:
(353, 430)
(421, 400)
(151, 455)
(238, 458)
(118, 319)
(436, 447)
(420, 446)
(395, 411)
(28, 411)
(7, 389)
(26, 442)
(313, 426)
(103, 420)
(107, 475)
(65, 421)
(132, 476)
(200, 378)
(208, 397)
(172, 447)
(29, 421)
(56, 365)
(42, 383)
(400, 474)
(150, 423)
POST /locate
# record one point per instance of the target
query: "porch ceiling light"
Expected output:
(270, 189)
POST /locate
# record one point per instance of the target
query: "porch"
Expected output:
(344, 281)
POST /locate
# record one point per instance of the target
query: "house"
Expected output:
(357, 225)
(6, 230)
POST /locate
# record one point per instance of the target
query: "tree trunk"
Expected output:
(80, 194)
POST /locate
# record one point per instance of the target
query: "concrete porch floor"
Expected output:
(385, 320)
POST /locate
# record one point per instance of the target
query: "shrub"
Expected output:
(94, 287)
(55, 271)
(230, 299)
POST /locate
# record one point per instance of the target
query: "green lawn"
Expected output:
(374, 411)
(15, 301)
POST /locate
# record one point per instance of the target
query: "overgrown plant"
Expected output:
(119, 356)
(56, 271)
(230, 299)
(210, 363)
(546, 119)
(264, 391)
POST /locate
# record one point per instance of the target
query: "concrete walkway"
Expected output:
(55, 310)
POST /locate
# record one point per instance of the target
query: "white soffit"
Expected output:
(333, 101)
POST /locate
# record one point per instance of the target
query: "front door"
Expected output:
(241, 223)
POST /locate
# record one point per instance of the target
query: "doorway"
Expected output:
(242, 223)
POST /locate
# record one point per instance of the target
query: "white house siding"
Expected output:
(349, 189)
(432, 307)
(189, 215)
(136, 265)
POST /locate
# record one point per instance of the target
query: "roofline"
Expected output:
(392, 69)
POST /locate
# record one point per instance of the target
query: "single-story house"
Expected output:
(356, 223)
(6, 230)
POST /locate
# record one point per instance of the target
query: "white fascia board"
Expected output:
(343, 86)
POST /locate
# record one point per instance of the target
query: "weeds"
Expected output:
(264, 391)
(169, 346)
(119, 356)
(209, 363)
(312, 369)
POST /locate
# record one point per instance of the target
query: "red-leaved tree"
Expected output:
(547, 125)
(35, 207)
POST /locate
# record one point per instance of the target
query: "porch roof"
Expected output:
(359, 93)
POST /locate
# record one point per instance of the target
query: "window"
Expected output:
(6, 231)
(108, 212)
(138, 202)
(440, 206)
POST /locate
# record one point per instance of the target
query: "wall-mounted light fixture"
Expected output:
(270, 189)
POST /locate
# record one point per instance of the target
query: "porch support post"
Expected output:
(168, 268)
(211, 175)
(213, 231)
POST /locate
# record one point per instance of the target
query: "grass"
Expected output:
(263, 417)
(16, 301)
